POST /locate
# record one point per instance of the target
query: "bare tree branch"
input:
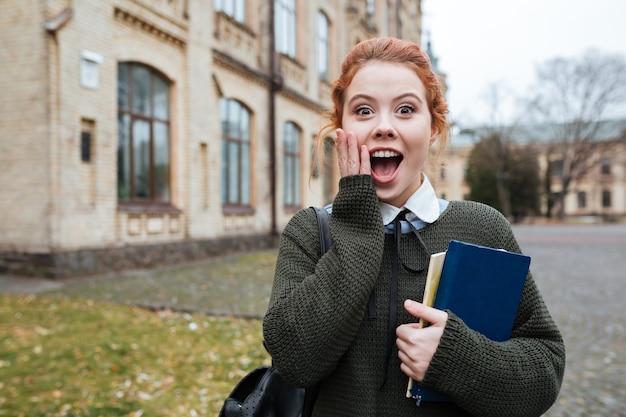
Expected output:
(572, 100)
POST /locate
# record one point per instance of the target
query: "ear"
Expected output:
(433, 135)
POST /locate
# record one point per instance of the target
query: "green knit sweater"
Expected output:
(318, 327)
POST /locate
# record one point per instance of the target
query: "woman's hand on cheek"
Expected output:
(353, 160)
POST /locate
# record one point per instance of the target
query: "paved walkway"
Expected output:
(581, 271)
(22, 285)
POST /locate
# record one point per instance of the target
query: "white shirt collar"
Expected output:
(423, 204)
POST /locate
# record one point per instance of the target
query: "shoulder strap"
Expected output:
(310, 394)
(322, 222)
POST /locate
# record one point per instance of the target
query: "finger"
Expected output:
(365, 161)
(416, 348)
(432, 315)
(354, 157)
(342, 152)
(406, 370)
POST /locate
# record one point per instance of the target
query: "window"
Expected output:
(291, 165)
(87, 130)
(605, 166)
(285, 27)
(606, 199)
(556, 168)
(235, 119)
(322, 46)
(233, 8)
(85, 146)
(143, 150)
(582, 199)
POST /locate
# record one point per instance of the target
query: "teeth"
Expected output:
(385, 154)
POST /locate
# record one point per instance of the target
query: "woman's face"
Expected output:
(385, 107)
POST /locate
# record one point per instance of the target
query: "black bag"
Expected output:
(263, 392)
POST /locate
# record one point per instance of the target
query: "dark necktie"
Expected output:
(393, 293)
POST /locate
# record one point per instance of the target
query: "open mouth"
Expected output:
(385, 164)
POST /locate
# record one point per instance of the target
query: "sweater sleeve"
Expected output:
(519, 377)
(317, 304)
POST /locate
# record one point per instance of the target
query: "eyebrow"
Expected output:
(413, 95)
(400, 97)
(359, 97)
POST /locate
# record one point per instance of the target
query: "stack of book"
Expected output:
(482, 286)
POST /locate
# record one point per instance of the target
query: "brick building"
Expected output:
(135, 132)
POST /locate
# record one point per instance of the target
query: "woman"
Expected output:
(347, 320)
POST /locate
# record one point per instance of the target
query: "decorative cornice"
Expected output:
(225, 61)
(176, 8)
(141, 24)
(302, 100)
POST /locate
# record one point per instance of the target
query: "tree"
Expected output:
(524, 182)
(572, 98)
(505, 176)
(489, 167)
(481, 174)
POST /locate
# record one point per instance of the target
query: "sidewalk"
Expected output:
(234, 285)
(26, 285)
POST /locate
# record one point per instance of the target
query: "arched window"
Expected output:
(143, 150)
(285, 27)
(233, 8)
(322, 46)
(291, 165)
(236, 176)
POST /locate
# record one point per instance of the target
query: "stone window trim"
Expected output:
(148, 207)
(235, 210)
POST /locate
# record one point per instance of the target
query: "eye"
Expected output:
(406, 109)
(363, 111)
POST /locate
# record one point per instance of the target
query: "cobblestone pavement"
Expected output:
(581, 271)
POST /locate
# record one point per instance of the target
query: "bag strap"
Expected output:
(310, 394)
(322, 223)
(323, 218)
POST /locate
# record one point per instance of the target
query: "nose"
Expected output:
(380, 134)
(384, 130)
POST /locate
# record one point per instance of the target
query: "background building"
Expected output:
(135, 133)
(596, 195)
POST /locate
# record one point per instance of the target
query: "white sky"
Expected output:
(480, 42)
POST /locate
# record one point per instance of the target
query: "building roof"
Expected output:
(543, 133)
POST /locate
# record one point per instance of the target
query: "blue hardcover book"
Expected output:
(482, 286)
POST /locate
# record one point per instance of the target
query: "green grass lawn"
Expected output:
(64, 356)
